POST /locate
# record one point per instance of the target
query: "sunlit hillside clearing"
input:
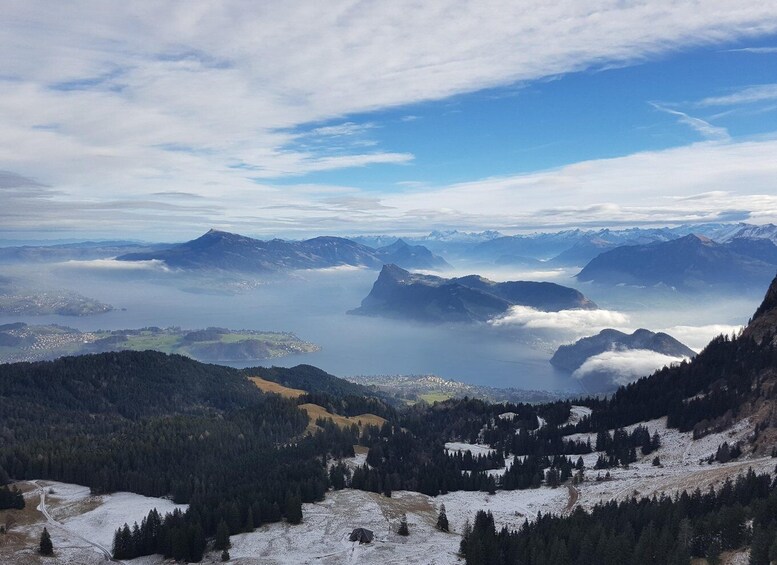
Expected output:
(269, 386)
(314, 411)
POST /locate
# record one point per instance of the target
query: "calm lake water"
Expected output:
(313, 305)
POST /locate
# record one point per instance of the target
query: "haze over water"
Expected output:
(313, 305)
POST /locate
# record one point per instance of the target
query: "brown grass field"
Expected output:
(269, 386)
(315, 412)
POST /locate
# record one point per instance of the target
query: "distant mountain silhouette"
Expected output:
(411, 256)
(563, 248)
(571, 357)
(84, 251)
(233, 252)
(398, 293)
(690, 262)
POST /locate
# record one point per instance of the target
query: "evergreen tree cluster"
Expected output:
(469, 420)
(482, 462)
(726, 452)
(176, 536)
(399, 460)
(620, 447)
(11, 498)
(637, 532)
(549, 440)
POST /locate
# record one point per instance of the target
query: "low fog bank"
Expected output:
(624, 366)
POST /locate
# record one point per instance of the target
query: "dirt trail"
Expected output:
(574, 496)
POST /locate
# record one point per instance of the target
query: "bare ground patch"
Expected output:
(269, 386)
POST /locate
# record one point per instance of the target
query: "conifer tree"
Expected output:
(294, 509)
(759, 549)
(11, 498)
(403, 530)
(465, 535)
(179, 543)
(713, 552)
(45, 547)
(118, 550)
(773, 548)
(249, 527)
(222, 536)
(442, 520)
(197, 542)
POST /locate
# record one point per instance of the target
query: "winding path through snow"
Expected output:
(43, 510)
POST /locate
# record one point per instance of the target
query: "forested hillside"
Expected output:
(164, 425)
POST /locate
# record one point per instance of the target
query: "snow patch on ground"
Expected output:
(577, 413)
(93, 518)
(323, 535)
(474, 448)
(114, 511)
(510, 508)
(681, 465)
(509, 460)
(355, 462)
(735, 557)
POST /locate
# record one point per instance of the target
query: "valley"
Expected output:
(388, 283)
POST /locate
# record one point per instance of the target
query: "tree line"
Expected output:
(639, 532)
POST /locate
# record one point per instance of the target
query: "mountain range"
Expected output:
(564, 248)
(233, 252)
(82, 251)
(687, 263)
(398, 293)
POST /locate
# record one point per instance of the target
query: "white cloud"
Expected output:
(704, 128)
(625, 365)
(697, 337)
(337, 269)
(749, 95)
(703, 182)
(758, 50)
(344, 129)
(114, 265)
(204, 98)
(579, 322)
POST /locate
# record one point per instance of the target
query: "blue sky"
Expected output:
(594, 114)
(304, 118)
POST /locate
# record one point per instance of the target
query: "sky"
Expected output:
(160, 120)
